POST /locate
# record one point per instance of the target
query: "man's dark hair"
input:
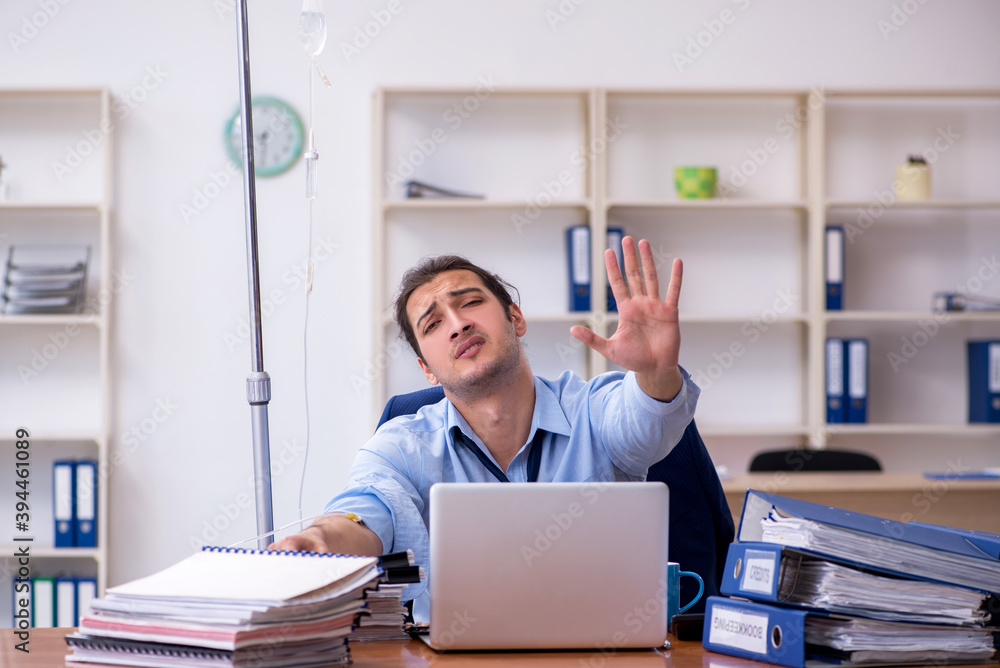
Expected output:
(426, 271)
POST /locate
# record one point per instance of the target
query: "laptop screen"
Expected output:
(548, 565)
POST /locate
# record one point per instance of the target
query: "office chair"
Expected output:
(813, 460)
(701, 526)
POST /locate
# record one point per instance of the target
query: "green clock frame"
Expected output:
(293, 131)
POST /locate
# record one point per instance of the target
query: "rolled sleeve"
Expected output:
(640, 430)
(389, 509)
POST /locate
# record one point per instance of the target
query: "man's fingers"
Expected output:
(615, 280)
(633, 272)
(592, 340)
(674, 289)
(652, 282)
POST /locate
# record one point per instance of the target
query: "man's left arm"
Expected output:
(648, 338)
(653, 416)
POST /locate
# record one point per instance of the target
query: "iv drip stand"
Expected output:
(258, 382)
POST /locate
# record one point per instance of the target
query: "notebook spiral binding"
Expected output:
(294, 553)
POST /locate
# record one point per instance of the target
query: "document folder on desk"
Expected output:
(799, 638)
(777, 574)
(917, 551)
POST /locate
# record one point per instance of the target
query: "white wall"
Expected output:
(187, 287)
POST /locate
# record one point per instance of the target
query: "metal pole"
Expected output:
(258, 382)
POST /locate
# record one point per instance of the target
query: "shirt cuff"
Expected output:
(370, 509)
(689, 392)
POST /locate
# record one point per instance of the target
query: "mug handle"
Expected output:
(701, 588)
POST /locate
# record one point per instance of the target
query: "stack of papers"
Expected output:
(866, 640)
(818, 583)
(882, 552)
(231, 607)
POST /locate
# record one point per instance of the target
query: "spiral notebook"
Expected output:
(235, 607)
(251, 577)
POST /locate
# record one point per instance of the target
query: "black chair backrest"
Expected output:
(813, 460)
(701, 524)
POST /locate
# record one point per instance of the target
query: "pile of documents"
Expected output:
(384, 616)
(807, 584)
(231, 607)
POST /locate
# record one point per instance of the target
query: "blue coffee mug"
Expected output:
(674, 575)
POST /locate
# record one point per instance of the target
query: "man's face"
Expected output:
(467, 342)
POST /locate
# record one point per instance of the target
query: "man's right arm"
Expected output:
(333, 533)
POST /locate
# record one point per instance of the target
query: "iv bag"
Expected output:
(312, 27)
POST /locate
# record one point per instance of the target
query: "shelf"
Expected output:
(8, 435)
(433, 203)
(914, 429)
(912, 316)
(52, 207)
(739, 431)
(52, 552)
(925, 205)
(715, 203)
(53, 319)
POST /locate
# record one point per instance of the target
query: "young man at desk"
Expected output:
(499, 421)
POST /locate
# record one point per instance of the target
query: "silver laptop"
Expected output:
(548, 565)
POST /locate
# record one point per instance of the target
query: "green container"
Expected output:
(695, 182)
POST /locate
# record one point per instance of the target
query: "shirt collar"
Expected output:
(548, 415)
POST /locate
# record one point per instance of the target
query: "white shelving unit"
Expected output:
(55, 377)
(753, 312)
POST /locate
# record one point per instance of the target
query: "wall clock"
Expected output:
(278, 136)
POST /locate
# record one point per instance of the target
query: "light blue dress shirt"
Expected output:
(601, 430)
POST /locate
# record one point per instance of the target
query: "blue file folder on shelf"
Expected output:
(984, 381)
(615, 235)
(86, 591)
(578, 260)
(66, 602)
(63, 497)
(85, 506)
(834, 268)
(856, 358)
(836, 411)
(916, 551)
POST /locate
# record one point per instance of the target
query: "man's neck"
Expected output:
(502, 419)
